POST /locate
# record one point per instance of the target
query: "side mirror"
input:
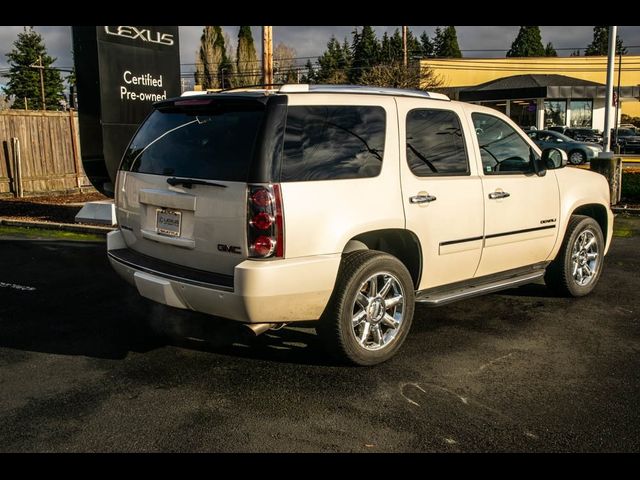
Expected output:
(553, 158)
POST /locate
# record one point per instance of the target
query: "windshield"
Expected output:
(623, 132)
(562, 137)
(214, 143)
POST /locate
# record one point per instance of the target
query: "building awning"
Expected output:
(541, 86)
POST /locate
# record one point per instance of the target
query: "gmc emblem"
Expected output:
(229, 249)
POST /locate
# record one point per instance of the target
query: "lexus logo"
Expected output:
(144, 34)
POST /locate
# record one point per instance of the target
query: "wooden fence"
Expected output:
(46, 156)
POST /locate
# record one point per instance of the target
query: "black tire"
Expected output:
(577, 157)
(559, 276)
(335, 328)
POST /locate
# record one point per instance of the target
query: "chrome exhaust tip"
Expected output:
(260, 328)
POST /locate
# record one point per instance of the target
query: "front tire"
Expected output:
(577, 268)
(370, 310)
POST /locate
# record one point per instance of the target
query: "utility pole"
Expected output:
(41, 68)
(404, 45)
(267, 55)
(613, 31)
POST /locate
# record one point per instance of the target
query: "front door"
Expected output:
(441, 189)
(521, 208)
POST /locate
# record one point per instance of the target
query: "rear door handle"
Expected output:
(422, 199)
(495, 195)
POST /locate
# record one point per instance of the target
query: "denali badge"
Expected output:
(549, 220)
(229, 248)
(142, 33)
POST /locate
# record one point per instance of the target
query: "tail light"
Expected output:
(265, 233)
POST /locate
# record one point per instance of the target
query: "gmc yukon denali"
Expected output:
(345, 205)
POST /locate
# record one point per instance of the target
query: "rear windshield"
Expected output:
(210, 143)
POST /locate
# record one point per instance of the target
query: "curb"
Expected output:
(69, 227)
(630, 211)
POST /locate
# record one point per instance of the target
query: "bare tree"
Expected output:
(284, 65)
(396, 75)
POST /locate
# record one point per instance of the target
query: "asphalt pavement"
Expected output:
(87, 365)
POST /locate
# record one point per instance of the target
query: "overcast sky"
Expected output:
(311, 40)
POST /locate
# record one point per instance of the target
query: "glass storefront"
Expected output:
(555, 113)
(581, 113)
(523, 112)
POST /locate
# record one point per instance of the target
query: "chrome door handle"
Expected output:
(494, 195)
(422, 199)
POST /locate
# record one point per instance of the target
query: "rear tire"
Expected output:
(370, 310)
(577, 268)
(577, 157)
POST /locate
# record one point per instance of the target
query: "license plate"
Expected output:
(168, 222)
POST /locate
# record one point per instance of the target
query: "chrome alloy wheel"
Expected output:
(584, 258)
(378, 311)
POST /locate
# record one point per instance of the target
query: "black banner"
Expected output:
(121, 71)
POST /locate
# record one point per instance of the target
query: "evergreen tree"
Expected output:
(426, 44)
(575, 53)
(549, 51)
(528, 43)
(446, 43)
(600, 43)
(247, 65)
(414, 47)
(366, 51)
(24, 80)
(310, 76)
(334, 63)
(226, 68)
(209, 58)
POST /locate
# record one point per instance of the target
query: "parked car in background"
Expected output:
(584, 135)
(578, 152)
(628, 140)
(559, 129)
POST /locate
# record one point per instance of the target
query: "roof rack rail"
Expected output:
(363, 89)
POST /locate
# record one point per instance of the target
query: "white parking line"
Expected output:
(17, 287)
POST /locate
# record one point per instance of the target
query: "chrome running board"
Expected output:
(439, 296)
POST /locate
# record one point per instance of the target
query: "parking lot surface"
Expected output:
(86, 364)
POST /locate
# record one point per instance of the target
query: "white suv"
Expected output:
(346, 205)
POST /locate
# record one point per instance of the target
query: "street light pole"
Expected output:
(613, 31)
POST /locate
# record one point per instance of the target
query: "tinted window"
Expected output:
(327, 142)
(205, 144)
(435, 145)
(501, 148)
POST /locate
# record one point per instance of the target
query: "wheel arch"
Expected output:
(401, 243)
(598, 212)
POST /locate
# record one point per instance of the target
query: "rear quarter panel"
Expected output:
(321, 216)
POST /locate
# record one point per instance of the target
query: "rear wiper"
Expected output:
(190, 182)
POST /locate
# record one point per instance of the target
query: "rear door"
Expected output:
(182, 188)
(441, 190)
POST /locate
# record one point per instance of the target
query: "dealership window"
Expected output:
(581, 113)
(501, 106)
(523, 112)
(555, 113)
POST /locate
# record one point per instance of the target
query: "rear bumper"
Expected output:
(286, 290)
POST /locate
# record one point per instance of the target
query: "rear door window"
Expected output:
(208, 143)
(333, 142)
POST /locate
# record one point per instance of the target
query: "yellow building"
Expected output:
(574, 86)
